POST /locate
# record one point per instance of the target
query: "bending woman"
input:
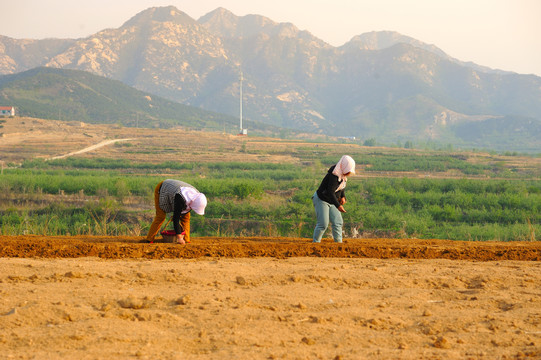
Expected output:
(179, 198)
(329, 199)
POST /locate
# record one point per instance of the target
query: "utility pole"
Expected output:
(240, 102)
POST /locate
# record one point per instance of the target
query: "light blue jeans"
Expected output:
(326, 212)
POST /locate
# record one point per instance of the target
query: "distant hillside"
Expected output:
(380, 85)
(21, 55)
(379, 40)
(51, 93)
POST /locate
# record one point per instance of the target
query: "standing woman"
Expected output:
(329, 199)
(179, 198)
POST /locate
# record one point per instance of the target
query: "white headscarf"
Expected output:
(195, 200)
(344, 166)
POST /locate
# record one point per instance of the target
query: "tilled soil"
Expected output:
(110, 247)
(90, 297)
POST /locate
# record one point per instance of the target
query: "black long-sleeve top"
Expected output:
(327, 189)
(180, 205)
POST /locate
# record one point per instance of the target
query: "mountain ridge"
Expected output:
(380, 85)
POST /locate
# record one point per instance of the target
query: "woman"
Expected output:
(329, 199)
(179, 198)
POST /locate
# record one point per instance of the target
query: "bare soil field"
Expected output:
(268, 298)
(279, 247)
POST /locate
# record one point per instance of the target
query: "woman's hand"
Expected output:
(179, 239)
(342, 201)
(341, 209)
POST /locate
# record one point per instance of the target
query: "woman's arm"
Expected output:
(180, 205)
(330, 186)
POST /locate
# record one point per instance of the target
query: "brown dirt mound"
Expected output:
(277, 247)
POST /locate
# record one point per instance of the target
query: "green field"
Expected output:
(101, 196)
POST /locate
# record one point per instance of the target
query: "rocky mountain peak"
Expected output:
(219, 15)
(224, 23)
(379, 40)
(221, 22)
(160, 14)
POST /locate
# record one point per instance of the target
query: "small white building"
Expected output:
(7, 111)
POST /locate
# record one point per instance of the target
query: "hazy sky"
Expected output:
(502, 34)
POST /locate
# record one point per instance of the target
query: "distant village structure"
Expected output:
(7, 111)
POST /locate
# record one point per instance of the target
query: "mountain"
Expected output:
(379, 40)
(380, 85)
(51, 93)
(21, 55)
